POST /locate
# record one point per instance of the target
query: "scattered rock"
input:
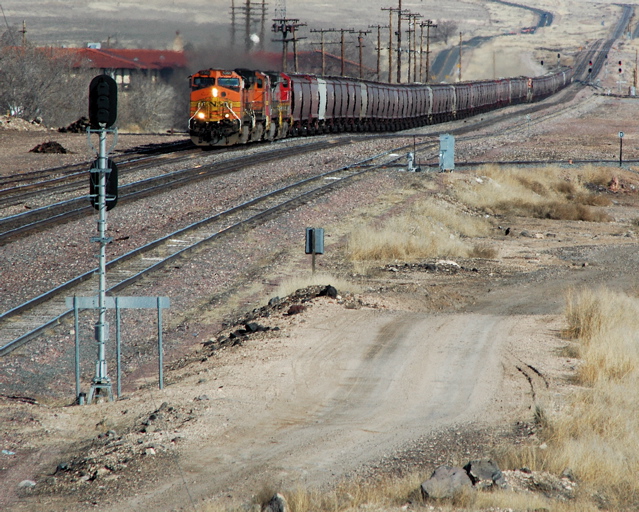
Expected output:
(21, 125)
(274, 301)
(295, 309)
(484, 474)
(449, 263)
(276, 504)
(255, 327)
(63, 466)
(27, 484)
(446, 482)
(79, 126)
(541, 482)
(49, 147)
(101, 472)
(329, 291)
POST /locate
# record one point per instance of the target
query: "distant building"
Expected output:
(124, 64)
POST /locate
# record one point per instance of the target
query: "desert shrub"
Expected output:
(483, 251)
(38, 84)
(606, 325)
(541, 193)
(596, 434)
(149, 106)
(597, 176)
(428, 229)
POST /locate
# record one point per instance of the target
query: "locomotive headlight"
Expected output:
(214, 92)
(201, 115)
(227, 116)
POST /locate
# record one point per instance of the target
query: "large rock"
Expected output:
(276, 504)
(485, 474)
(446, 482)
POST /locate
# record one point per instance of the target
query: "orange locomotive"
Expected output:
(235, 107)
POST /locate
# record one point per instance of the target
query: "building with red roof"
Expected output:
(123, 64)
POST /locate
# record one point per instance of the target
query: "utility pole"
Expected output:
(24, 33)
(412, 44)
(390, 10)
(344, 31)
(295, 40)
(280, 9)
(360, 35)
(323, 31)
(263, 25)
(379, 46)
(247, 26)
(287, 26)
(248, 12)
(408, 18)
(399, 43)
(428, 24)
(233, 26)
(460, 57)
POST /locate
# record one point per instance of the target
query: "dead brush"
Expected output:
(483, 251)
(540, 193)
(596, 434)
(428, 229)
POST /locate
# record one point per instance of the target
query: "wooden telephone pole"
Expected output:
(379, 46)
(460, 57)
(428, 24)
(322, 44)
(287, 26)
(360, 46)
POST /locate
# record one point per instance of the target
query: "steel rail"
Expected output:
(39, 218)
(350, 171)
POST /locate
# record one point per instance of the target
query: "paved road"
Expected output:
(444, 68)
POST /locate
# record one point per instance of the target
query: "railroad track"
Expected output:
(598, 51)
(44, 179)
(25, 322)
(14, 226)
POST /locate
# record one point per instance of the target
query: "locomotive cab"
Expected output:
(280, 104)
(215, 107)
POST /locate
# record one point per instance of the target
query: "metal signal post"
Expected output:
(102, 115)
(101, 383)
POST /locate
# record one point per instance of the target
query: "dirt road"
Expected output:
(358, 385)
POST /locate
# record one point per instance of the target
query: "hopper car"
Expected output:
(229, 107)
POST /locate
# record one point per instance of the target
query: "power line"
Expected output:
(9, 31)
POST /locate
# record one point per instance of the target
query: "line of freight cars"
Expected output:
(230, 107)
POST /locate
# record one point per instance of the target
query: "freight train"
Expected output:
(230, 107)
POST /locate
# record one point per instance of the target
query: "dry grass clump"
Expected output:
(353, 494)
(606, 325)
(597, 434)
(596, 176)
(542, 193)
(429, 229)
